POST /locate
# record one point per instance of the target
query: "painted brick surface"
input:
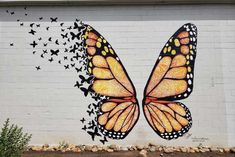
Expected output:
(47, 105)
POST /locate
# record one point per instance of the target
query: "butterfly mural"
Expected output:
(102, 76)
(170, 80)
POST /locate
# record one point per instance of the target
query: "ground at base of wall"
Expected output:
(124, 154)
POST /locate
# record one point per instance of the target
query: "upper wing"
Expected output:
(110, 77)
(172, 79)
(119, 112)
(172, 75)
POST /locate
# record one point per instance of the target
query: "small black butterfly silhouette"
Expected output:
(104, 140)
(47, 28)
(72, 65)
(85, 91)
(62, 30)
(59, 61)
(38, 25)
(89, 106)
(78, 69)
(66, 66)
(54, 19)
(44, 51)
(38, 68)
(12, 13)
(54, 52)
(32, 32)
(95, 105)
(11, 44)
(40, 18)
(69, 28)
(79, 44)
(44, 44)
(22, 24)
(83, 79)
(84, 63)
(31, 24)
(64, 35)
(83, 120)
(77, 56)
(34, 52)
(96, 97)
(90, 112)
(65, 50)
(34, 44)
(57, 42)
(50, 60)
(40, 38)
(73, 49)
(81, 61)
(49, 39)
(78, 85)
(61, 24)
(65, 58)
(64, 43)
(78, 27)
(84, 56)
(26, 14)
(84, 128)
(42, 55)
(92, 125)
(18, 20)
(75, 35)
(93, 134)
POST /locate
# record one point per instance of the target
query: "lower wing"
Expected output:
(116, 119)
(168, 119)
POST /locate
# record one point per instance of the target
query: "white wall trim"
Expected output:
(110, 2)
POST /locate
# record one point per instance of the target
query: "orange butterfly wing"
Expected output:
(119, 112)
(172, 79)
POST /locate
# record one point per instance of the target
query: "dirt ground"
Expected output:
(125, 154)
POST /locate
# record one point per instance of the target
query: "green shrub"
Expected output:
(12, 140)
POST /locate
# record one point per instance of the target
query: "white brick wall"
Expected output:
(47, 105)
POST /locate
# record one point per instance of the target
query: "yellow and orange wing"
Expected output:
(172, 79)
(119, 112)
